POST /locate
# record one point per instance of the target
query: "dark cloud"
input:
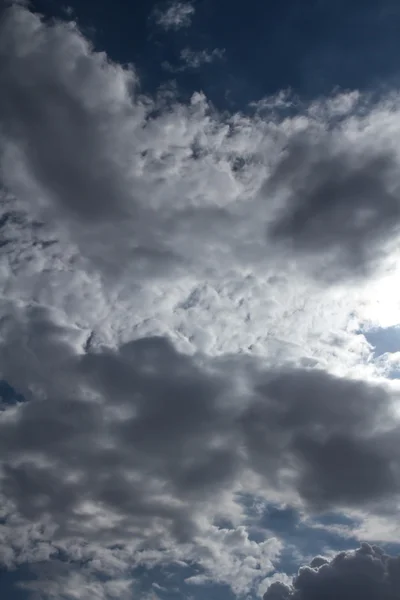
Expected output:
(147, 433)
(342, 202)
(364, 574)
(152, 185)
(49, 119)
(135, 447)
(328, 429)
(140, 431)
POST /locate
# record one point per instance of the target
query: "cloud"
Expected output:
(155, 214)
(366, 573)
(193, 59)
(337, 203)
(182, 316)
(174, 15)
(111, 442)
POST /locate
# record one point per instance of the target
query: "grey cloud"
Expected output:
(153, 446)
(52, 120)
(147, 433)
(341, 202)
(365, 574)
(333, 431)
(79, 149)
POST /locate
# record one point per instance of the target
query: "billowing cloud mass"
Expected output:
(331, 199)
(367, 573)
(183, 306)
(146, 432)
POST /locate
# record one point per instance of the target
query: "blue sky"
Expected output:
(199, 312)
(311, 48)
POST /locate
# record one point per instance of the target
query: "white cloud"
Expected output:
(194, 59)
(174, 15)
(165, 216)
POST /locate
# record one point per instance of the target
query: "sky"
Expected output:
(199, 309)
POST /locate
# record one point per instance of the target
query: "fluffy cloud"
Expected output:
(181, 315)
(366, 573)
(146, 444)
(115, 443)
(163, 209)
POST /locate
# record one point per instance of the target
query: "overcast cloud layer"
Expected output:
(183, 306)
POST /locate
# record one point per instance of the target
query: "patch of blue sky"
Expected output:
(170, 583)
(304, 539)
(11, 582)
(310, 47)
(8, 395)
(383, 339)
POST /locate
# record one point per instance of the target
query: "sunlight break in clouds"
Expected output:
(184, 295)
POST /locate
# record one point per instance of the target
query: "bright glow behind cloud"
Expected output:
(181, 291)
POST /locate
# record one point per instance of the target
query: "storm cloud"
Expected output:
(366, 573)
(339, 202)
(148, 433)
(158, 185)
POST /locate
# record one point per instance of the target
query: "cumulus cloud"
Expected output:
(171, 208)
(111, 442)
(186, 188)
(174, 15)
(167, 325)
(144, 443)
(366, 573)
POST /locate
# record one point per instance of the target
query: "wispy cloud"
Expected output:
(194, 59)
(174, 15)
(366, 573)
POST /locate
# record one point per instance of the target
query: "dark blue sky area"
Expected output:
(311, 46)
